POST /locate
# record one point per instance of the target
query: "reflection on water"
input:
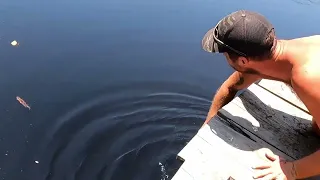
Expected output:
(132, 133)
(307, 2)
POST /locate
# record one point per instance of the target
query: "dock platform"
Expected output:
(267, 116)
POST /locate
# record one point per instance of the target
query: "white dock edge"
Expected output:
(243, 131)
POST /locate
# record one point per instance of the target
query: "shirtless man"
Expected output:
(250, 46)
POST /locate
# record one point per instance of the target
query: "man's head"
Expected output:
(246, 38)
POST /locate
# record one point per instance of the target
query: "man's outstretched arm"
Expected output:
(228, 90)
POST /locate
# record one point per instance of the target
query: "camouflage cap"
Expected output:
(243, 32)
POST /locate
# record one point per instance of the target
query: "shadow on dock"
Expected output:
(287, 133)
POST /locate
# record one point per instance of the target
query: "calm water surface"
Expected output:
(116, 87)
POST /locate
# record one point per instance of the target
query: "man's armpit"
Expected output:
(240, 81)
(293, 91)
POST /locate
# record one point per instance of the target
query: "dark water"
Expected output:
(116, 87)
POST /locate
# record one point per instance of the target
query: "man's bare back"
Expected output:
(307, 65)
(309, 61)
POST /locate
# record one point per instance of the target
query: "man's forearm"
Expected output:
(228, 90)
(223, 96)
(308, 166)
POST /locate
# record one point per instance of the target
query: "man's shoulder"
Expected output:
(307, 39)
(305, 76)
(308, 64)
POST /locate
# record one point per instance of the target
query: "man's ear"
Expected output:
(243, 61)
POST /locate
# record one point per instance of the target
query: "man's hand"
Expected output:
(276, 168)
(209, 117)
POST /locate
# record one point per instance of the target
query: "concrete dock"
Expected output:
(265, 117)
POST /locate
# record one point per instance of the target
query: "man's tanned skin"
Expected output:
(295, 62)
(227, 91)
(248, 41)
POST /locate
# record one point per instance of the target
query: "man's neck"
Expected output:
(279, 66)
(281, 51)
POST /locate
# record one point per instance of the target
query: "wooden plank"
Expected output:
(182, 174)
(233, 134)
(218, 152)
(237, 138)
(201, 167)
(280, 124)
(191, 151)
(211, 163)
(200, 170)
(283, 91)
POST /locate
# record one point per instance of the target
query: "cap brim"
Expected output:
(208, 42)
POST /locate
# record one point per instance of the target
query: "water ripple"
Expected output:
(132, 133)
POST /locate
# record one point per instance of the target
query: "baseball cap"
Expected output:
(243, 32)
